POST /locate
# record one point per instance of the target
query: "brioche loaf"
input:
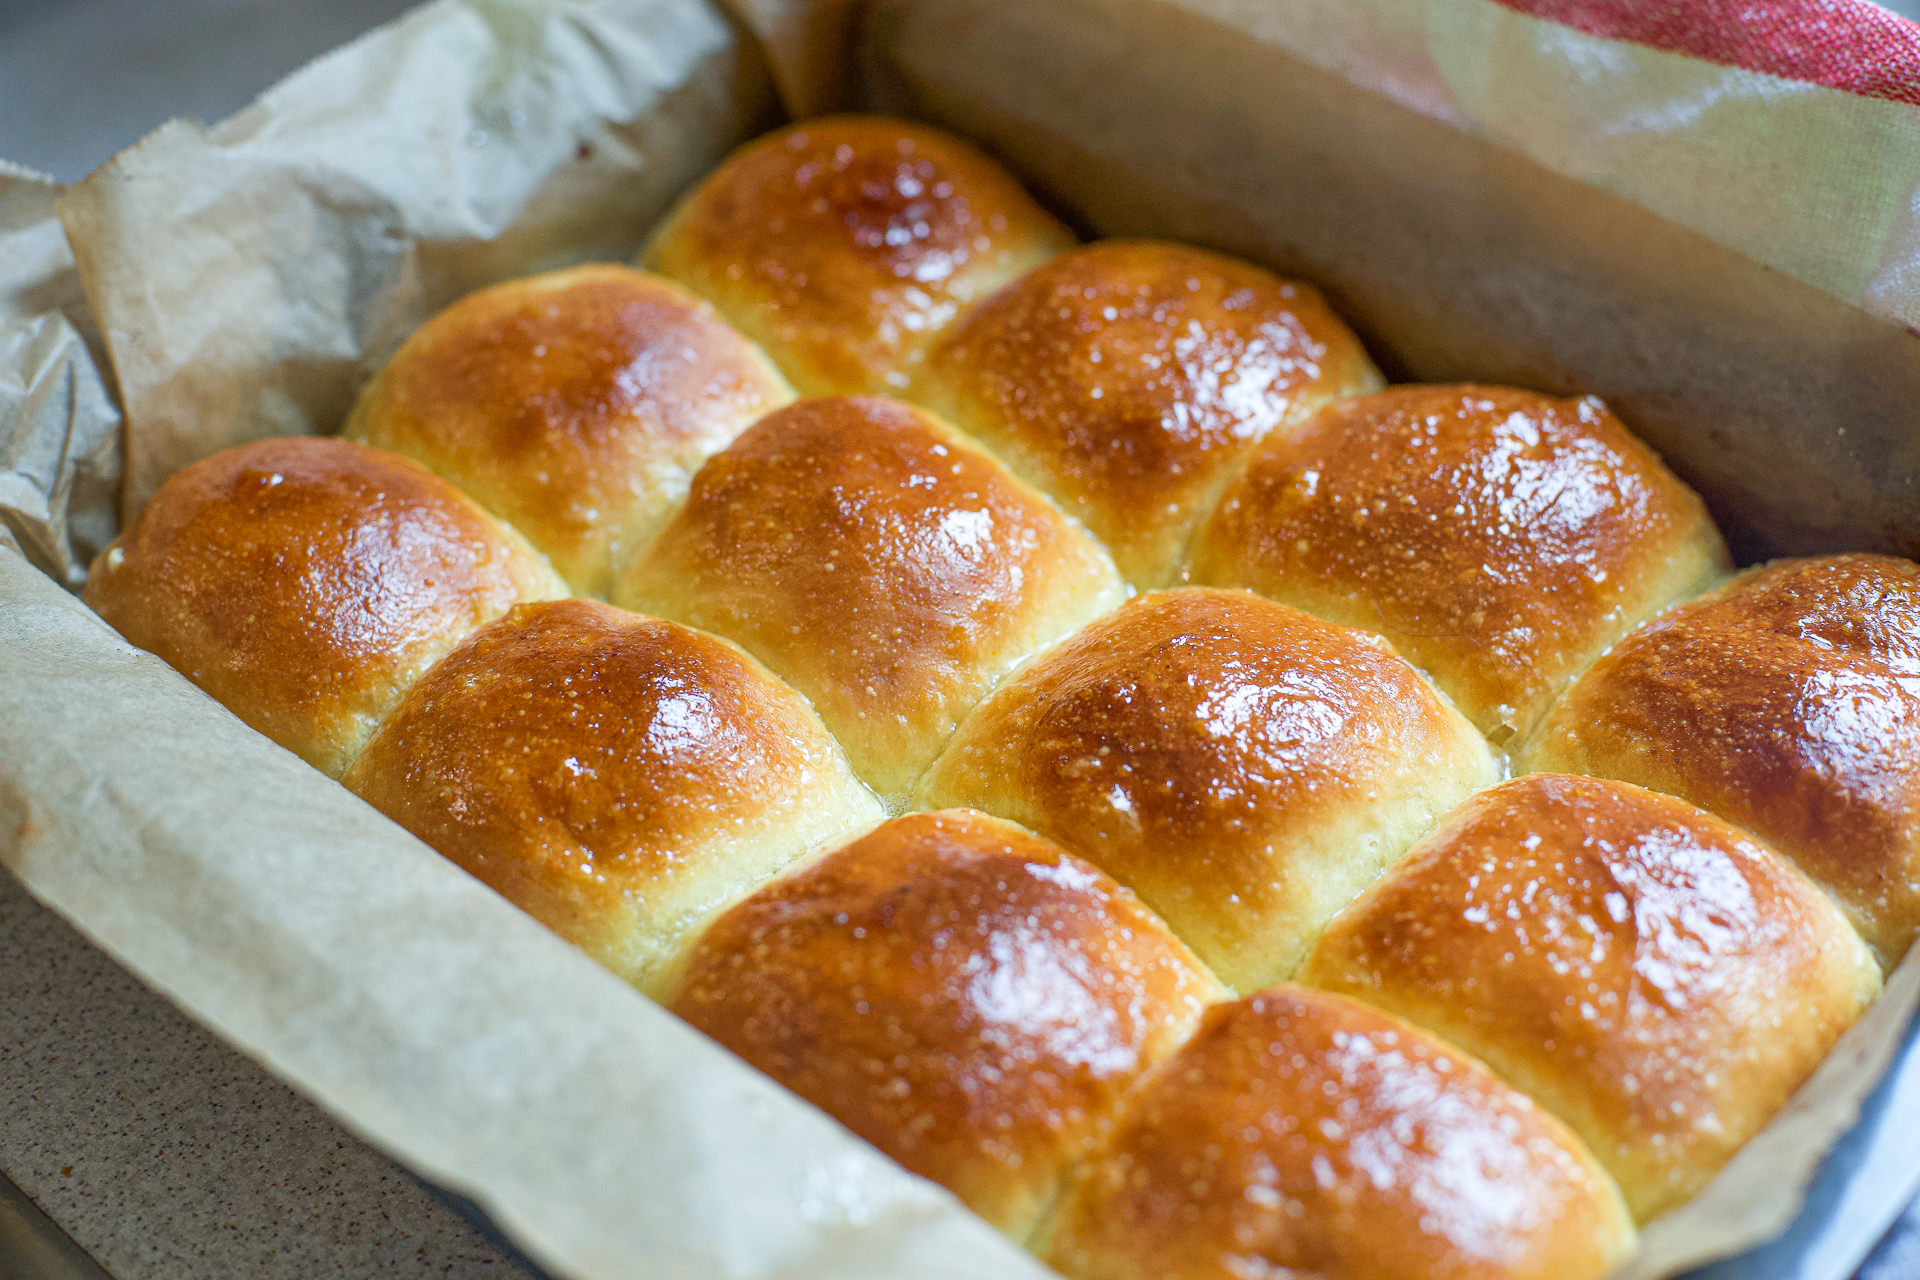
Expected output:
(990, 1002)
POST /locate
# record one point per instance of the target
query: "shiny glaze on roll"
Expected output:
(886, 569)
(844, 244)
(306, 583)
(1128, 378)
(615, 776)
(1788, 703)
(969, 998)
(1245, 768)
(1302, 1134)
(575, 404)
(1501, 539)
(1645, 971)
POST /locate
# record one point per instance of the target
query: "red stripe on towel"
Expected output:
(1843, 44)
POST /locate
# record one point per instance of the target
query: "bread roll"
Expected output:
(844, 244)
(1301, 1134)
(1645, 971)
(886, 569)
(1501, 539)
(617, 777)
(1129, 378)
(967, 997)
(576, 404)
(307, 583)
(1243, 767)
(1789, 704)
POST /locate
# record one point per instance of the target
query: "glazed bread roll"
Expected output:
(1787, 703)
(1645, 971)
(1501, 540)
(616, 777)
(878, 563)
(969, 998)
(306, 583)
(576, 405)
(1129, 378)
(1243, 767)
(1302, 1134)
(845, 244)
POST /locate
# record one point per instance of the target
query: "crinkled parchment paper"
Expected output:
(246, 277)
(59, 428)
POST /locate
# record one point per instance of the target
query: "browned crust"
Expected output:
(1501, 539)
(1244, 767)
(306, 583)
(1127, 379)
(1646, 971)
(613, 775)
(969, 998)
(1302, 1134)
(575, 404)
(844, 244)
(889, 571)
(1789, 704)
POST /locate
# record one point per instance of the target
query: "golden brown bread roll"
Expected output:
(615, 776)
(1645, 971)
(1129, 378)
(1245, 768)
(1788, 702)
(882, 566)
(844, 244)
(1301, 1134)
(1501, 539)
(576, 404)
(967, 997)
(307, 583)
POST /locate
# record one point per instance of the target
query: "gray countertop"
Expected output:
(163, 1153)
